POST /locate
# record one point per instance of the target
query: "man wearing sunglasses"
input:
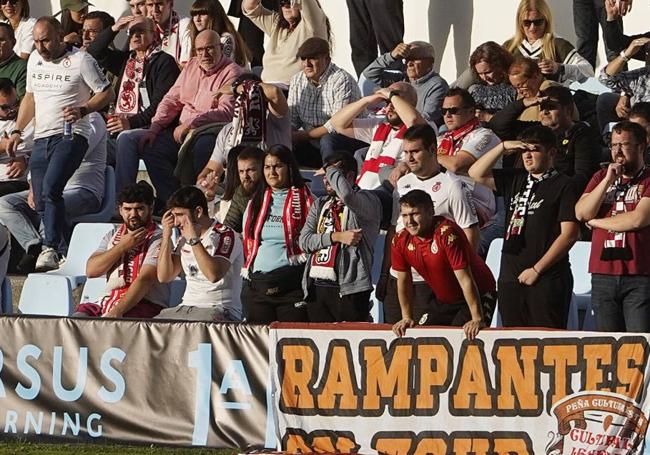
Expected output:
(578, 148)
(13, 166)
(417, 58)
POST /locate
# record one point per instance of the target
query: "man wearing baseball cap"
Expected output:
(316, 93)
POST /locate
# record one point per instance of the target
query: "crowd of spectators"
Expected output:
(226, 127)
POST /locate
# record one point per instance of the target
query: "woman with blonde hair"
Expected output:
(558, 60)
(16, 14)
(209, 14)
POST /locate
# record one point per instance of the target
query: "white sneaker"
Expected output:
(47, 260)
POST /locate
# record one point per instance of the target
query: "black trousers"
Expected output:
(372, 23)
(327, 305)
(544, 304)
(587, 15)
(424, 301)
(13, 186)
(252, 35)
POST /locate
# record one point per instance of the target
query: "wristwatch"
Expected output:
(194, 241)
(624, 56)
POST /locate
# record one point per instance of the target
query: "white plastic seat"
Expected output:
(46, 294)
(94, 289)
(84, 242)
(581, 299)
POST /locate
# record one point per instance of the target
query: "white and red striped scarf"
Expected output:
(380, 155)
(127, 271)
(333, 218)
(249, 119)
(452, 141)
(128, 98)
(294, 214)
(170, 38)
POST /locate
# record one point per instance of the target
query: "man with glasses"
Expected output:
(94, 23)
(535, 280)
(193, 101)
(527, 78)
(616, 205)
(172, 29)
(417, 58)
(578, 147)
(13, 165)
(464, 142)
(12, 66)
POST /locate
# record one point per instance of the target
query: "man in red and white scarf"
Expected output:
(464, 142)
(128, 257)
(171, 28)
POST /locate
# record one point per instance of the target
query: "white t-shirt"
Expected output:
(68, 81)
(451, 199)
(477, 143)
(219, 241)
(25, 147)
(24, 38)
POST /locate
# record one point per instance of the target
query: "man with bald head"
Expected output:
(63, 87)
(417, 58)
(193, 101)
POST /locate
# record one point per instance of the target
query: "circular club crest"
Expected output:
(66, 62)
(435, 188)
(434, 247)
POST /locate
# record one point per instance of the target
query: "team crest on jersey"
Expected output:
(410, 247)
(444, 229)
(66, 62)
(434, 247)
(451, 239)
(436, 187)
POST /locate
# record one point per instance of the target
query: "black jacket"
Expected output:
(617, 41)
(579, 149)
(160, 73)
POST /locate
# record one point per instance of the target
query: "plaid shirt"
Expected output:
(312, 105)
(635, 83)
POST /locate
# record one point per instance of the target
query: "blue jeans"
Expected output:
(53, 162)
(621, 303)
(25, 224)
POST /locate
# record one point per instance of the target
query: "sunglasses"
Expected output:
(11, 2)
(550, 106)
(285, 3)
(452, 110)
(536, 22)
(9, 107)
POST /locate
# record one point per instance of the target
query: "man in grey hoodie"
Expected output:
(339, 236)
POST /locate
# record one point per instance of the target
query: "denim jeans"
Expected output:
(53, 161)
(25, 224)
(621, 303)
(587, 15)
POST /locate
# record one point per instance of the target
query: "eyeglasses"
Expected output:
(90, 31)
(452, 110)
(625, 146)
(536, 22)
(138, 31)
(11, 2)
(208, 49)
(9, 107)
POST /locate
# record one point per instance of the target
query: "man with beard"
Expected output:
(128, 256)
(210, 255)
(339, 235)
(616, 205)
(63, 87)
(439, 251)
(535, 280)
(192, 102)
(13, 167)
(418, 58)
(578, 147)
(452, 200)
(172, 29)
(12, 66)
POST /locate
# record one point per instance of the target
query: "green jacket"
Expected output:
(15, 69)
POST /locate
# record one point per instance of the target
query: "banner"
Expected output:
(338, 389)
(181, 383)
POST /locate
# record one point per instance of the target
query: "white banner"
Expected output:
(433, 392)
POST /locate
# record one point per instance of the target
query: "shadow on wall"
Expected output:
(445, 15)
(563, 19)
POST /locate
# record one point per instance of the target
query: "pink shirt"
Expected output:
(193, 96)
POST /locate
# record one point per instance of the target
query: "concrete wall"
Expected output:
(455, 27)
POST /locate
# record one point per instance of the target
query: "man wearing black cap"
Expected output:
(316, 93)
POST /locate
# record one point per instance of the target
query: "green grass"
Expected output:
(27, 448)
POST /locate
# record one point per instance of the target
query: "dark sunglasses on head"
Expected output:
(452, 110)
(549, 105)
(535, 22)
(285, 3)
